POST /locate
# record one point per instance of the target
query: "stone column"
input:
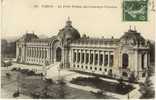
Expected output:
(89, 57)
(108, 58)
(77, 51)
(32, 52)
(26, 52)
(94, 52)
(148, 59)
(41, 51)
(103, 58)
(99, 58)
(38, 53)
(145, 60)
(85, 56)
(35, 52)
(17, 51)
(71, 56)
(29, 52)
(44, 53)
(80, 56)
(74, 56)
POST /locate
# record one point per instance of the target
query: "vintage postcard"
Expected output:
(78, 49)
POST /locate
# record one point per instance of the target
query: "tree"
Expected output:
(8, 75)
(100, 94)
(152, 50)
(46, 90)
(121, 85)
(132, 78)
(147, 89)
(16, 94)
(61, 91)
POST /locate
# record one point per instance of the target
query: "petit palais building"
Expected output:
(113, 57)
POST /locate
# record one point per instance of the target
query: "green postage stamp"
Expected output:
(135, 10)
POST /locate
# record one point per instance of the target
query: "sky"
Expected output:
(21, 16)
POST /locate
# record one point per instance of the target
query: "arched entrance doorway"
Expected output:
(58, 54)
(124, 60)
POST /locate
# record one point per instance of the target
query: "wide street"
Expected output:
(53, 72)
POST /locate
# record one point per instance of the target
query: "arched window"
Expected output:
(124, 60)
(142, 61)
(20, 52)
(58, 54)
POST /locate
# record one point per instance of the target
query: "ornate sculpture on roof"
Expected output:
(132, 37)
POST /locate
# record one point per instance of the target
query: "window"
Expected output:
(101, 59)
(87, 58)
(100, 69)
(96, 59)
(124, 60)
(42, 54)
(111, 60)
(45, 54)
(90, 68)
(105, 70)
(142, 61)
(58, 54)
(106, 60)
(39, 53)
(77, 66)
(82, 59)
(91, 59)
(78, 60)
(74, 58)
(86, 67)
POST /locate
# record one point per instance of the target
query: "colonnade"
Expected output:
(36, 52)
(93, 57)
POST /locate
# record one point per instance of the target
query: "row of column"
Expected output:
(36, 52)
(93, 57)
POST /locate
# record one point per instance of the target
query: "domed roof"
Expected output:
(68, 32)
(133, 36)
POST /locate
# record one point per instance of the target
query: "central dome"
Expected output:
(68, 32)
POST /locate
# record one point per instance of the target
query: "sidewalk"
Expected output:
(7, 94)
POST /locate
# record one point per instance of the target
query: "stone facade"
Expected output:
(114, 57)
